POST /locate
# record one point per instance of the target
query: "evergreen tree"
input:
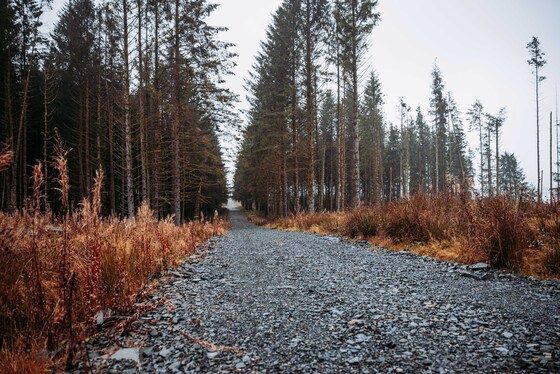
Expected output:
(537, 61)
(355, 20)
(511, 176)
(371, 141)
(438, 110)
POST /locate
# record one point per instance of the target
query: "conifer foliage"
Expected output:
(133, 87)
(327, 145)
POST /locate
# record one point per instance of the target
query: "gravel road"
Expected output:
(261, 300)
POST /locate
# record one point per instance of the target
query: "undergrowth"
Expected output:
(518, 236)
(58, 273)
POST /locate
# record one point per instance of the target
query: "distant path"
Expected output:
(298, 302)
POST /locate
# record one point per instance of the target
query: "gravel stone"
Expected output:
(266, 301)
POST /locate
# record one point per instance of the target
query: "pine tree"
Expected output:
(537, 61)
(371, 143)
(438, 110)
(476, 122)
(355, 19)
(512, 178)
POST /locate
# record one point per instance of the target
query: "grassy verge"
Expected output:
(523, 237)
(58, 277)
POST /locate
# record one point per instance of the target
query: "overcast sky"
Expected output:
(479, 46)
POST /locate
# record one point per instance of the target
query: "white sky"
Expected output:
(479, 45)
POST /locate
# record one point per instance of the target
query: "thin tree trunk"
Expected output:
(497, 157)
(309, 118)
(110, 124)
(175, 123)
(87, 148)
(539, 180)
(158, 140)
(127, 124)
(46, 136)
(81, 145)
(143, 160)
(355, 169)
(551, 157)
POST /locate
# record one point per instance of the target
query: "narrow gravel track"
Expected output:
(262, 300)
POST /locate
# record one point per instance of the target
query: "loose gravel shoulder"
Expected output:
(263, 301)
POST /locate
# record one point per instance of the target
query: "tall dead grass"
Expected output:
(521, 236)
(57, 274)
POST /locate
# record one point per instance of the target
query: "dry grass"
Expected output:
(519, 236)
(57, 274)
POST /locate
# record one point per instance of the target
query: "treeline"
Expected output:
(132, 87)
(315, 142)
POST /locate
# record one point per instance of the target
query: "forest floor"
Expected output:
(261, 300)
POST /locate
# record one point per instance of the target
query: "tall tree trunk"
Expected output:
(46, 135)
(497, 157)
(110, 125)
(551, 195)
(87, 146)
(81, 145)
(10, 122)
(99, 118)
(539, 180)
(157, 104)
(295, 141)
(127, 124)
(341, 175)
(355, 139)
(143, 154)
(175, 123)
(310, 110)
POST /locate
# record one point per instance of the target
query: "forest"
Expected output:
(112, 172)
(318, 140)
(132, 88)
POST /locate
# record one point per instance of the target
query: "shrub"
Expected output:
(500, 231)
(365, 222)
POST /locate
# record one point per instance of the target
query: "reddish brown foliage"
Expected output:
(519, 236)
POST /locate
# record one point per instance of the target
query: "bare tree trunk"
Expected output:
(112, 174)
(175, 123)
(143, 157)
(158, 140)
(497, 157)
(10, 119)
(341, 177)
(551, 157)
(355, 139)
(539, 180)
(46, 136)
(81, 145)
(309, 118)
(127, 125)
(88, 161)
(489, 166)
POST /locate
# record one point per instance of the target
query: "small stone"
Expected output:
(175, 365)
(507, 335)
(354, 360)
(361, 338)
(358, 322)
(164, 352)
(240, 365)
(212, 355)
(480, 266)
(132, 354)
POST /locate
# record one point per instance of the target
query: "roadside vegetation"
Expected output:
(63, 275)
(520, 236)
